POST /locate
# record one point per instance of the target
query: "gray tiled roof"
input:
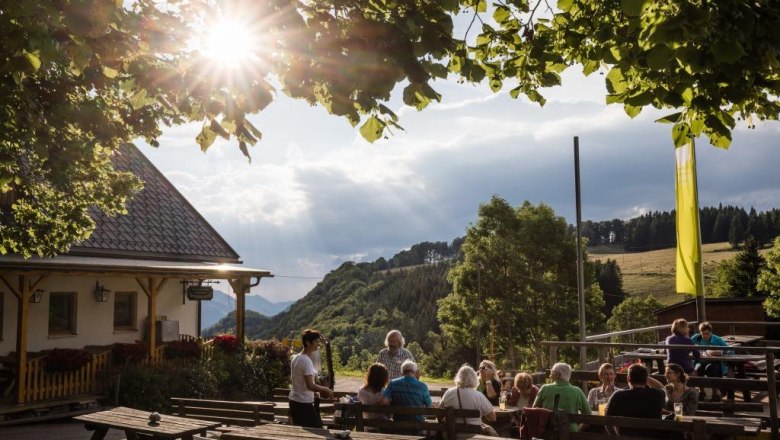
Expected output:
(160, 224)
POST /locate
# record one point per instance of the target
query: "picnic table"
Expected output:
(504, 419)
(734, 362)
(134, 422)
(289, 432)
(743, 425)
(742, 339)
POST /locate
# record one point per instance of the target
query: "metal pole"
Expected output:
(580, 272)
(479, 306)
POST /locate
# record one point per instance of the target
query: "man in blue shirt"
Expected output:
(408, 390)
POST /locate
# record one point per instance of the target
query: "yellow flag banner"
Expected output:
(689, 270)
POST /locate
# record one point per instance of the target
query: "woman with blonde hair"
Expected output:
(488, 384)
(465, 396)
(523, 392)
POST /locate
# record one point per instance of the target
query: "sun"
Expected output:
(230, 43)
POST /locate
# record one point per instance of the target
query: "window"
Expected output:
(62, 313)
(124, 311)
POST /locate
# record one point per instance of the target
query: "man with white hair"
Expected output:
(408, 390)
(572, 399)
(394, 354)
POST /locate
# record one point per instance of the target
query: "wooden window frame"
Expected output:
(73, 316)
(133, 326)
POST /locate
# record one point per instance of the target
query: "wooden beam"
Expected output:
(35, 285)
(239, 288)
(151, 311)
(11, 288)
(21, 339)
(140, 282)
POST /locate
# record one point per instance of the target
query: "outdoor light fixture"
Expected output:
(101, 293)
(36, 296)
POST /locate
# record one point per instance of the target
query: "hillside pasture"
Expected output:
(653, 272)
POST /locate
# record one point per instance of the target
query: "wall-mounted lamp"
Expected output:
(101, 293)
(35, 297)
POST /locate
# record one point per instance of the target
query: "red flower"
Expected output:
(226, 343)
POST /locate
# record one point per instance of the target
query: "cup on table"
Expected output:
(502, 400)
(678, 412)
(602, 407)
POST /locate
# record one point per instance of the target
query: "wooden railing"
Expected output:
(91, 378)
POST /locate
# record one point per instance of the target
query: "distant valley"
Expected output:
(222, 304)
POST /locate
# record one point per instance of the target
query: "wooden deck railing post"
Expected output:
(450, 419)
(772, 390)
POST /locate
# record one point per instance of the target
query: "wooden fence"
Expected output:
(89, 379)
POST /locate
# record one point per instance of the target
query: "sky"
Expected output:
(316, 194)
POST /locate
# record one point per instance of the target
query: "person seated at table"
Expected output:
(639, 400)
(681, 356)
(488, 384)
(523, 392)
(302, 389)
(408, 390)
(466, 396)
(710, 369)
(371, 391)
(602, 393)
(678, 392)
(572, 399)
(505, 380)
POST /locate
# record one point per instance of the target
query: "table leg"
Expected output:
(740, 374)
(131, 435)
(99, 433)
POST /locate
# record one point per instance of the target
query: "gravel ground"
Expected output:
(72, 430)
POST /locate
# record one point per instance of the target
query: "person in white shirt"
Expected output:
(303, 387)
(466, 396)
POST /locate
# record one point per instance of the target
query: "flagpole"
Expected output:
(580, 272)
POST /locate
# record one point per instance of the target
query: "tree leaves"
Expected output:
(372, 129)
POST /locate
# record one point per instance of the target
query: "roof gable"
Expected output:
(160, 223)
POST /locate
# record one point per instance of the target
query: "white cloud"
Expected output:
(316, 194)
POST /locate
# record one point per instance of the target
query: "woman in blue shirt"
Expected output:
(710, 369)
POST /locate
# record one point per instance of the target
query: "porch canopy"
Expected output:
(23, 276)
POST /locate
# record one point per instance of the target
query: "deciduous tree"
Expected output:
(519, 270)
(81, 77)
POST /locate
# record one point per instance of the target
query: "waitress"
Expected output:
(302, 375)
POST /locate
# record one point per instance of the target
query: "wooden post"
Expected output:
(239, 286)
(21, 339)
(151, 312)
(492, 339)
(772, 390)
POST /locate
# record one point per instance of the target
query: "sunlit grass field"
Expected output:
(652, 272)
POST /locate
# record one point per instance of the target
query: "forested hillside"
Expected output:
(656, 230)
(356, 304)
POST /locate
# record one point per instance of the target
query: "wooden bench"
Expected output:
(447, 420)
(726, 407)
(695, 428)
(224, 411)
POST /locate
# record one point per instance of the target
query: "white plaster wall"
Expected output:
(94, 320)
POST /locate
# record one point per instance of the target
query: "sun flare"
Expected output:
(230, 43)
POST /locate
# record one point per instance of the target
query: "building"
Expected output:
(123, 284)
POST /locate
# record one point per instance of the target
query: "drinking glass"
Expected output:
(678, 412)
(602, 407)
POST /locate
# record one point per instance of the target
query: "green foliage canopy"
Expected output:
(80, 77)
(519, 270)
(635, 312)
(769, 280)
